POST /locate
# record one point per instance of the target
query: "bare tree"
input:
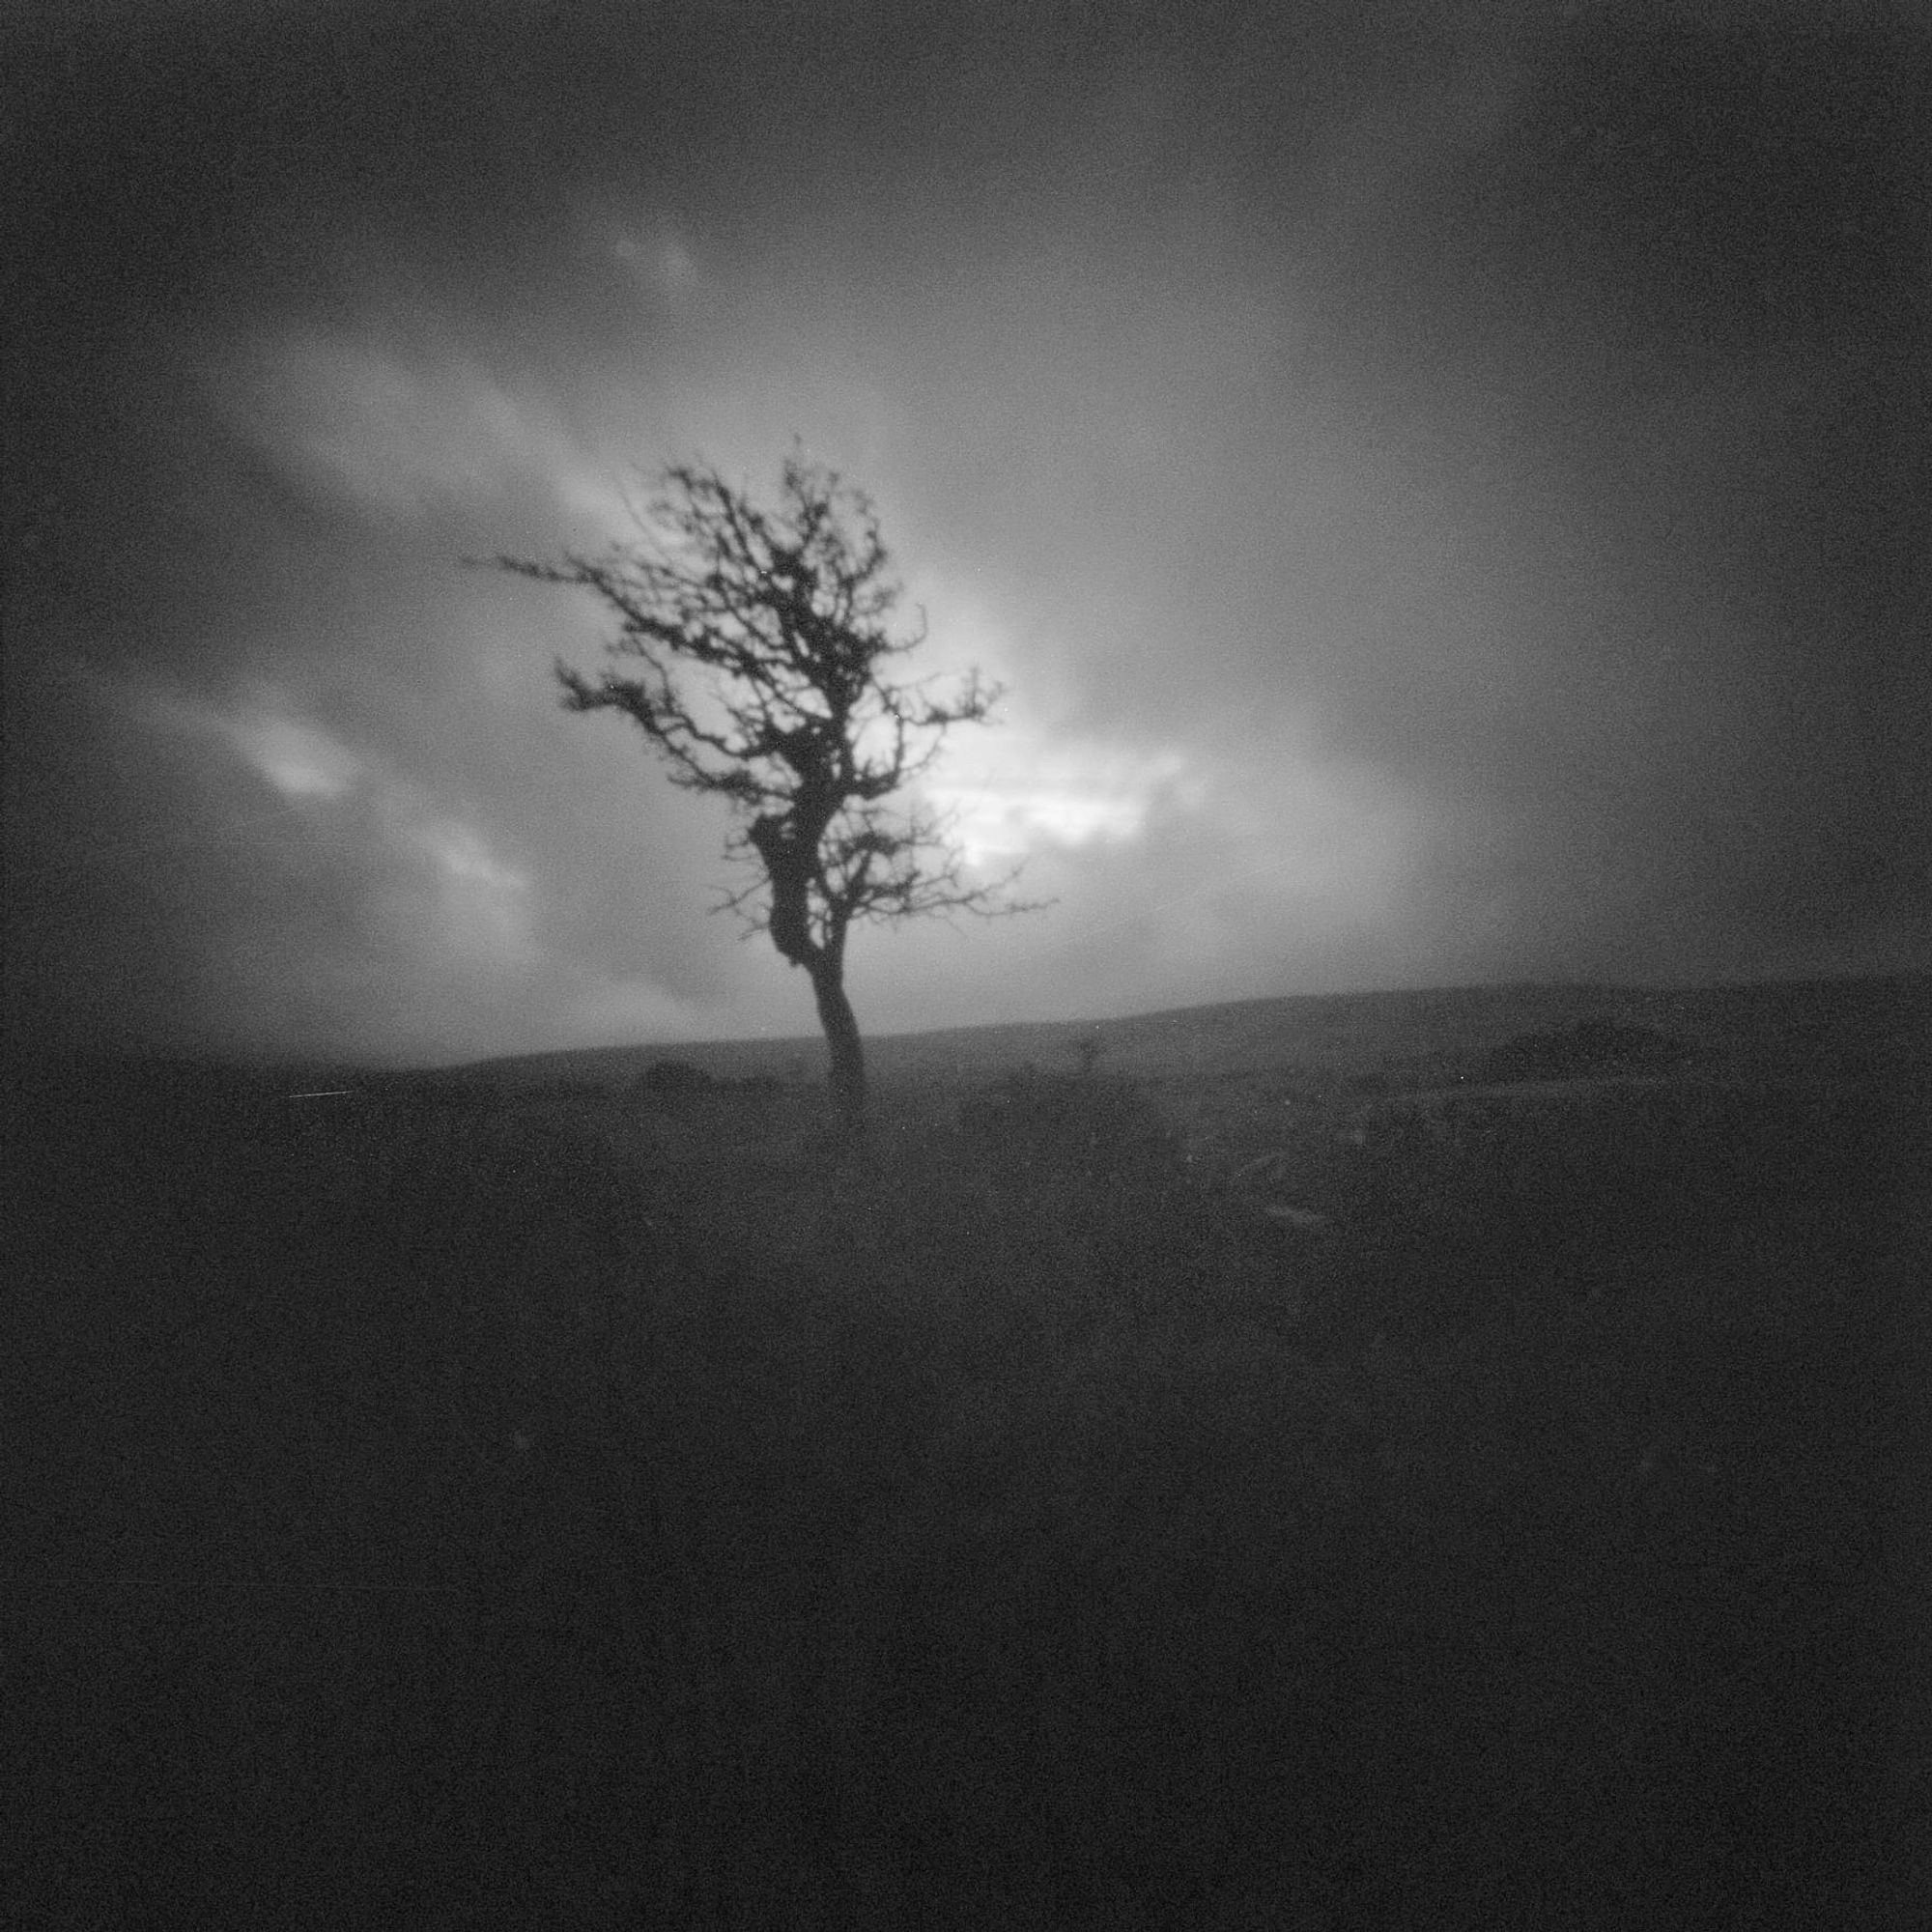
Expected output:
(752, 650)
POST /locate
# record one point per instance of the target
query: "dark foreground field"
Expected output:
(1233, 1486)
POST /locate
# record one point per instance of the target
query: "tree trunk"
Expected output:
(841, 1035)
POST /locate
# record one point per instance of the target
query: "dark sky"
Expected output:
(1445, 487)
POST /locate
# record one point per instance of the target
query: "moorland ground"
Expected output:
(519, 1499)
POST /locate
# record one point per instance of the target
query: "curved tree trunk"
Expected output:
(841, 1035)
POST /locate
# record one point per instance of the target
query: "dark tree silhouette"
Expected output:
(752, 650)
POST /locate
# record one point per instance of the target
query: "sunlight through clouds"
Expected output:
(1024, 786)
(1416, 490)
(1062, 795)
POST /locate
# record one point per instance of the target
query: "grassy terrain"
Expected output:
(517, 1499)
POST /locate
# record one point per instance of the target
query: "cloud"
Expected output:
(405, 433)
(475, 910)
(1442, 502)
(376, 882)
(297, 758)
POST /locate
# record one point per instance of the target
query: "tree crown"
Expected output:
(752, 650)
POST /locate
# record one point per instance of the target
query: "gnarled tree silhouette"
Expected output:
(753, 650)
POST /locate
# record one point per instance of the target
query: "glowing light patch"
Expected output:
(1070, 819)
(1024, 787)
(1070, 797)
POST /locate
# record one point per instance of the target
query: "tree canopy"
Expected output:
(755, 649)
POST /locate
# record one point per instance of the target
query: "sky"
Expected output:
(1444, 488)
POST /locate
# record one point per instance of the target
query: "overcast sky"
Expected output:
(1448, 501)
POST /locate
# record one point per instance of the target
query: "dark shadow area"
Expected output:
(1591, 1047)
(649, 1508)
